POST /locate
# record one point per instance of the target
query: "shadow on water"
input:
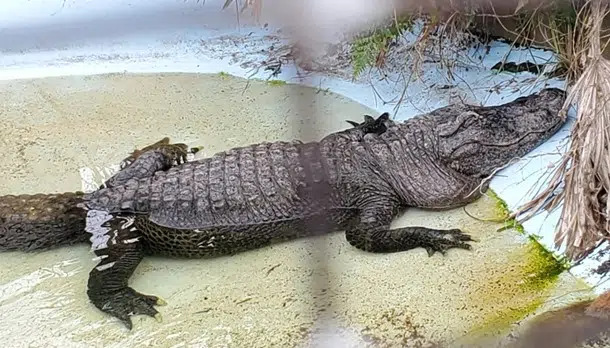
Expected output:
(55, 127)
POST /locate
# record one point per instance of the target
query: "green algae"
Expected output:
(543, 267)
(502, 320)
(503, 213)
(519, 289)
(517, 292)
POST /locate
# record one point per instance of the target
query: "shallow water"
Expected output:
(55, 127)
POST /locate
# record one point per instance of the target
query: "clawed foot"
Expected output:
(443, 240)
(127, 302)
(176, 152)
(372, 125)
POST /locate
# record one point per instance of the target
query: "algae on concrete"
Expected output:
(533, 275)
(276, 82)
(504, 214)
(527, 286)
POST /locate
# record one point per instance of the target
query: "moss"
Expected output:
(368, 50)
(276, 82)
(223, 74)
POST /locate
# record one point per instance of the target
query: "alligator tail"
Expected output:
(42, 221)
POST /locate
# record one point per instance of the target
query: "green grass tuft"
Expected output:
(366, 49)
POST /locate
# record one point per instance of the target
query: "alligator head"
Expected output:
(475, 141)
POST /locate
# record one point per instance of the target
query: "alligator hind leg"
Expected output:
(371, 231)
(177, 151)
(107, 286)
(143, 163)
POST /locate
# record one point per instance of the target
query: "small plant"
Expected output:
(369, 50)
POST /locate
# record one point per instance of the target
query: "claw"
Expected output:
(196, 149)
(125, 303)
(443, 240)
(471, 239)
(431, 251)
(128, 323)
(161, 302)
(464, 246)
(158, 317)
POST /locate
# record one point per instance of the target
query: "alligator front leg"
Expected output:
(107, 286)
(372, 125)
(371, 232)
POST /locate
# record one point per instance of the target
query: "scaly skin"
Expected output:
(357, 180)
(41, 221)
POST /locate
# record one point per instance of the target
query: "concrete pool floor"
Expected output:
(54, 127)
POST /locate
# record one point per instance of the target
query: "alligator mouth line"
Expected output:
(549, 130)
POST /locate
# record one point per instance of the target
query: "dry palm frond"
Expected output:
(585, 168)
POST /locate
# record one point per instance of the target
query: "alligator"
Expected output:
(356, 180)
